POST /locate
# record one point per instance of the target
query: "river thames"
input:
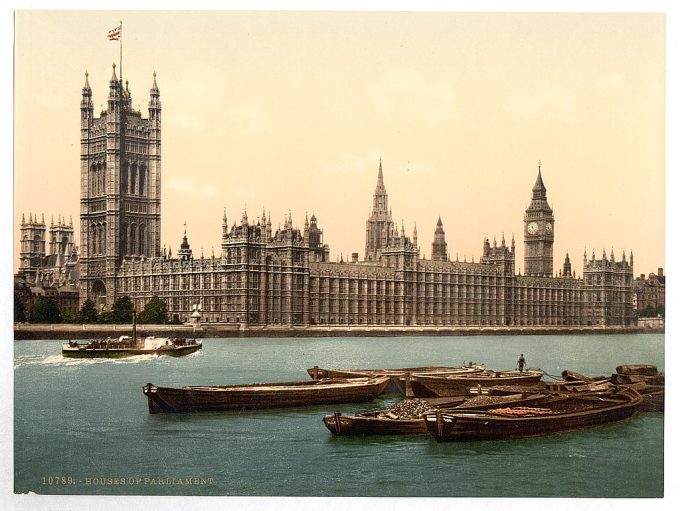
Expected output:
(83, 427)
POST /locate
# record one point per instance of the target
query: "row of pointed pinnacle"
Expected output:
(539, 189)
(33, 220)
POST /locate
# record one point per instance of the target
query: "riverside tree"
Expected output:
(155, 312)
(19, 310)
(122, 310)
(45, 310)
(88, 312)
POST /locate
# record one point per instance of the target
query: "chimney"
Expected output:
(355, 257)
(660, 272)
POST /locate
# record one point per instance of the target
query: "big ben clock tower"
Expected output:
(539, 233)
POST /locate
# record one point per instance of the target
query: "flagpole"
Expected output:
(120, 40)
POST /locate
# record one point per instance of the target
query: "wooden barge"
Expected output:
(397, 376)
(555, 414)
(429, 385)
(318, 372)
(385, 422)
(262, 395)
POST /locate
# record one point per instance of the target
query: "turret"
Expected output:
(127, 95)
(155, 102)
(439, 246)
(86, 106)
(114, 93)
(566, 269)
(185, 252)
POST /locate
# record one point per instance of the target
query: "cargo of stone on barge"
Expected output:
(408, 417)
(555, 414)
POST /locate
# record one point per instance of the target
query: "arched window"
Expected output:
(133, 178)
(133, 239)
(93, 180)
(93, 239)
(142, 239)
(142, 179)
(100, 239)
(102, 188)
(124, 178)
(128, 237)
(97, 179)
(99, 294)
(125, 232)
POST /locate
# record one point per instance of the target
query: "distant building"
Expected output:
(650, 291)
(47, 270)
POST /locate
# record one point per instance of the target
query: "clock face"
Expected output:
(532, 228)
(548, 228)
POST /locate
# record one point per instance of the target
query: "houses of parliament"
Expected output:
(283, 277)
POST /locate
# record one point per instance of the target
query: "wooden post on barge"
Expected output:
(440, 425)
(316, 373)
(338, 428)
(408, 390)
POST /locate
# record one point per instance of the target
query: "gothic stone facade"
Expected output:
(284, 278)
(47, 270)
(120, 187)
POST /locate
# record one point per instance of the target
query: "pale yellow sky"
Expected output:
(292, 111)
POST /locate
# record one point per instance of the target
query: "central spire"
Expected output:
(380, 187)
(380, 228)
(380, 195)
(539, 190)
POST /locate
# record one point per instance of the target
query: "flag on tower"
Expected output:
(114, 35)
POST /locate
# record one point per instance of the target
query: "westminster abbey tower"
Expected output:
(120, 175)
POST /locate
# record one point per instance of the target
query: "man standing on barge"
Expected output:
(521, 362)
